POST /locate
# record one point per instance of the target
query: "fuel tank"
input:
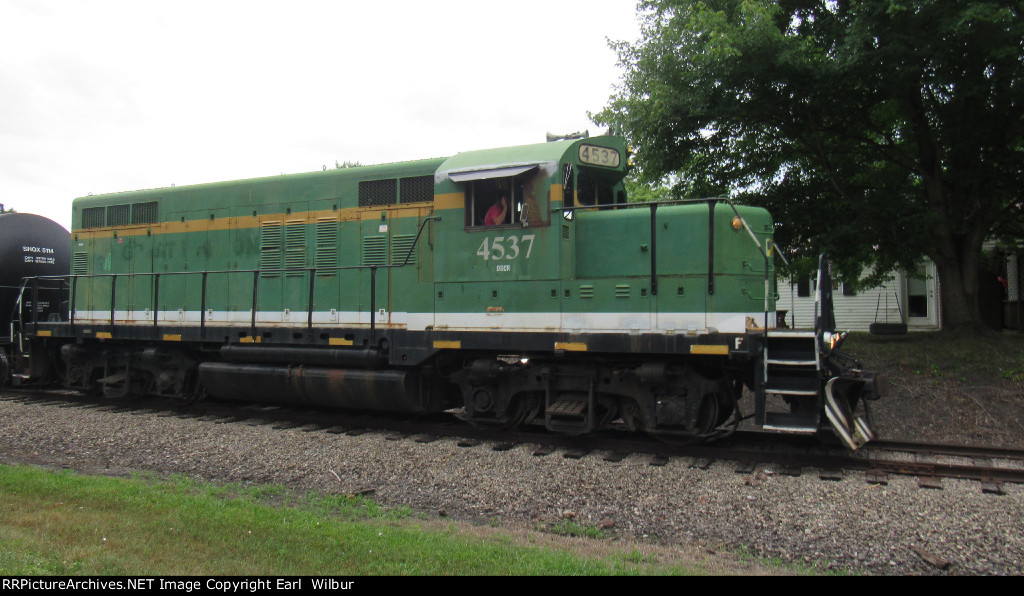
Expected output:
(359, 389)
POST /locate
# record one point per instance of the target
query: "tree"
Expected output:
(880, 131)
(641, 191)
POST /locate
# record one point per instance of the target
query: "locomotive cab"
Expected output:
(585, 310)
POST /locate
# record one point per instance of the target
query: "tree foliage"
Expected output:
(880, 131)
(642, 191)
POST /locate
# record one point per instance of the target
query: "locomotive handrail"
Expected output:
(641, 204)
(35, 295)
(17, 318)
(73, 279)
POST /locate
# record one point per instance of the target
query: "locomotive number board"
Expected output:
(599, 156)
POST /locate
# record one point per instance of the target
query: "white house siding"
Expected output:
(858, 312)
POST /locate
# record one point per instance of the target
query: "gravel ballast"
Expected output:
(849, 524)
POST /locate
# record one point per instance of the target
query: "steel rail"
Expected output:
(778, 453)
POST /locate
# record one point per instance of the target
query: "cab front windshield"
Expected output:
(591, 187)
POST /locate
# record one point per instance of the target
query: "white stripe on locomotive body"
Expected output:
(626, 322)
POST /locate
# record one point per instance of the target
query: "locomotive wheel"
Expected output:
(707, 416)
(521, 410)
(715, 410)
(632, 415)
(608, 410)
(91, 388)
(192, 397)
(130, 385)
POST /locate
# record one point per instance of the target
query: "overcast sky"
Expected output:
(104, 96)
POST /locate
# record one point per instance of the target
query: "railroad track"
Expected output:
(751, 452)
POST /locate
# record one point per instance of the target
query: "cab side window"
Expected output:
(519, 201)
(483, 196)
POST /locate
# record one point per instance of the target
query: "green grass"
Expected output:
(64, 523)
(566, 527)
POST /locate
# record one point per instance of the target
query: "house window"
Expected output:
(803, 286)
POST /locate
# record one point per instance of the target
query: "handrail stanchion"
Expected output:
(255, 295)
(113, 298)
(74, 296)
(373, 303)
(309, 310)
(202, 309)
(35, 305)
(156, 299)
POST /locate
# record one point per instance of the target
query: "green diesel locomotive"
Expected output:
(513, 284)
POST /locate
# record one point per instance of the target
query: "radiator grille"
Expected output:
(417, 189)
(144, 213)
(378, 192)
(94, 217)
(119, 215)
